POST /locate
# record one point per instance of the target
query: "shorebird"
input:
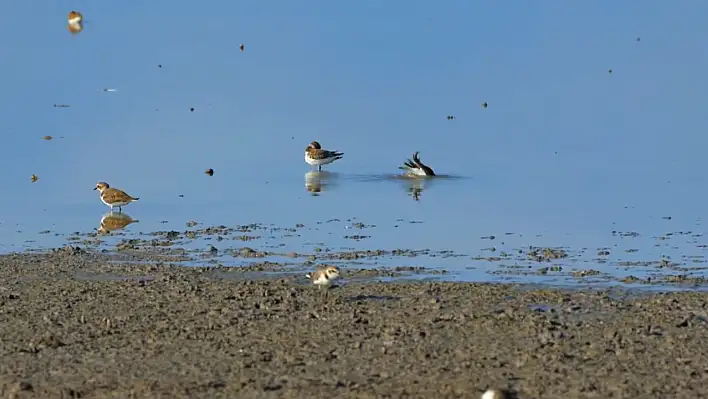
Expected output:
(316, 156)
(75, 20)
(324, 277)
(75, 17)
(113, 197)
(415, 168)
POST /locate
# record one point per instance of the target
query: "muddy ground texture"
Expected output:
(74, 324)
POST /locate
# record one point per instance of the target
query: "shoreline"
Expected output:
(173, 331)
(388, 265)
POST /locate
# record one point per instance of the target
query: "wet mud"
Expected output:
(91, 325)
(263, 247)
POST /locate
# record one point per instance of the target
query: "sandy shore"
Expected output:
(77, 325)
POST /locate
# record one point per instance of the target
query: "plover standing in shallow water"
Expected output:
(75, 20)
(316, 156)
(114, 197)
(415, 168)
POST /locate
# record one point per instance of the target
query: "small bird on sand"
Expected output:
(114, 197)
(415, 168)
(499, 394)
(316, 156)
(324, 277)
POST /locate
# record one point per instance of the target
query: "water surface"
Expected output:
(566, 154)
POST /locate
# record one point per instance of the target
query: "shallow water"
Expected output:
(564, 155)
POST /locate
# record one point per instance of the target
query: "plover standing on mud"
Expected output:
(316, 156)
(324, 277)
(415, 168)
(114, 197)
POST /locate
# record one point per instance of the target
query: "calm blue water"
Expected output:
(564, 154)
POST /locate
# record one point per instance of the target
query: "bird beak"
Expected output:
(95, 188)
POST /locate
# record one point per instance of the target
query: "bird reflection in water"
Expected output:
(316, 181)
(415, 187)
(113, 221)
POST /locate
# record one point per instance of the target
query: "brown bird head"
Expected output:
(331, 272)
(313, 146)
(75, 17)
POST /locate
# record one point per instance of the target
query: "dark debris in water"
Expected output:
(356, 237)
(546, 254)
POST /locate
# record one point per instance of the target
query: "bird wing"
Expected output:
(323, 154)
(115, 195)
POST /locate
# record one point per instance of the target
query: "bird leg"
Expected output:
(319, 168)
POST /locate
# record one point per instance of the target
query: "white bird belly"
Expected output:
(414, 172)
(318, 162)
(115, 203)
(324, 281)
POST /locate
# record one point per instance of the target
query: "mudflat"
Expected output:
(76, 324)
